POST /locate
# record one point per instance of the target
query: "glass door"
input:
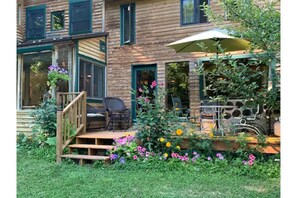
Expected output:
(142, 75)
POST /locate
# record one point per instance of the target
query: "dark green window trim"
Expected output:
(131, 24)
(197, 12)
(42, 16)
(93, 63)
(72, 5)
(52, 20)
(34, 49)
(102, 46)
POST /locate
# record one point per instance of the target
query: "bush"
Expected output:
(156, 124)
(46, 118)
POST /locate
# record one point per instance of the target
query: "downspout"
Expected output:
(103, 16)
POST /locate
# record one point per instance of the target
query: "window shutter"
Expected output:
(132, 23)
(80, 17)
(35, 23)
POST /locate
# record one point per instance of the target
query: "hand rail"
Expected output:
(71, 120)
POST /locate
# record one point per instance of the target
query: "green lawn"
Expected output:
(39, 177)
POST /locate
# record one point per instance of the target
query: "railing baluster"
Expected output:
(71, 116)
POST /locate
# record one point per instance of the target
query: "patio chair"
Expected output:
(94, 114)
(183, 113)
(208, 115)
(117, 112)
(248, 120)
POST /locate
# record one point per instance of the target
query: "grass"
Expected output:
(39, 177)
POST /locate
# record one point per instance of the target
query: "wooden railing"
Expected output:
(71, 119)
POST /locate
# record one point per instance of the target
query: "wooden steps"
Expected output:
(24, 122)
(93, 146)
(85, 157)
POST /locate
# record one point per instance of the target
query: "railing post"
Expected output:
(59, 142)
(84, 112)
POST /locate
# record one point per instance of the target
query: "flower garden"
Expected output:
(160, 138)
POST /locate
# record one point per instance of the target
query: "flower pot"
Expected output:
(277, 128)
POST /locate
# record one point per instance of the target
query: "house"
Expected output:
(64, 33)
(109, 47)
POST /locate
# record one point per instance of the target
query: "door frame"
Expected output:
(134, 69)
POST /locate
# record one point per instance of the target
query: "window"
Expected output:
(35, 22)
(34, 78)
(92, 79)
(127, 24)
(57, 20)
(80, 14)
(192, 13)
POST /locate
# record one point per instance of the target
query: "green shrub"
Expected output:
(46, 118)
(154, 121)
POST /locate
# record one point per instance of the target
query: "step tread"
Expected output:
(93, 146)
(86, 157)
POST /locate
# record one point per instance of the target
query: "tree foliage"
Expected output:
(259, 23)
(255, 21)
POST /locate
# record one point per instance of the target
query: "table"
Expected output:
(217, 109)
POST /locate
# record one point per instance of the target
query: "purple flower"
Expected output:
(122, 160)
(193, 159)
(114, 156)
(197, 156)
(195, 153)
(244, 162)
(209, 158)
(219, 155)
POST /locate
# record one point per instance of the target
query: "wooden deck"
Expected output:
(228, 143)
(95, 144)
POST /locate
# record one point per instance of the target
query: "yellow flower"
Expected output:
(178, 147)
(162, 139)
(168, 144)
(179, 132)
(191, 130)
(183, 124)
(165, 155)
(176, 109)
(211, 134)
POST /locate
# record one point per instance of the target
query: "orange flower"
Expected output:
(179, 132)
(168, 144)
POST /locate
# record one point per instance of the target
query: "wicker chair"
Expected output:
(117, 112)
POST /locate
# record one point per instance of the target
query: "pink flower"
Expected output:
(143, 149)
(140, 90)
(252, 157)
(135, 157)
(244, 162)
(146, 100)
(154, 83)
(251, 162)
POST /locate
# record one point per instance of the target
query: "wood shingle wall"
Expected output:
(63, 5)
(157, 24)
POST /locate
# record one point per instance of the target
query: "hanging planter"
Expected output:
(56, 75)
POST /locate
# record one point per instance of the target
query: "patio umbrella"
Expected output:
(209, 40)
